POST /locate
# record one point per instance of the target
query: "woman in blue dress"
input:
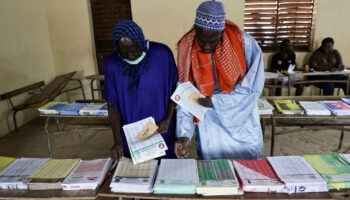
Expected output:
(140, 77)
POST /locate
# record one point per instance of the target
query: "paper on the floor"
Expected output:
(258, 176)
(186, 96)
(333, 168)
(87, 175)
(297, 174)
(288, 107)
(265, 108)
(314, 108)
(5, 161)
(337, 107)
(143, 150)
(51, 174)
(72, 109)
(52, 108)
(16, 174)
(217, 177)
(130, 178)
(176, 176)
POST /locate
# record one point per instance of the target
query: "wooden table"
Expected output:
(301, 75)
(95, 78)
(85, 120)
(105, 191)
(47, 194)
(307, 122)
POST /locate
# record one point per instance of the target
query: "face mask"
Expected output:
(137, 61)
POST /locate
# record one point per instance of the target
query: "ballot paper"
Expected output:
(332, 167)
(16, 174)
(51, 174)
(258, 176)
(5, 161)
(143, 150)
(314, 108)
(130, 178)
(265, 108)
(186, 96)
(87, 175)
(176, 176)
(297, 174)
(217, 177)
(270, 75)
(337, 107)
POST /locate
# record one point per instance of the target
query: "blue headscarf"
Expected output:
(131, 30)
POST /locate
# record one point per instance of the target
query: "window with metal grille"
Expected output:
(271, 21)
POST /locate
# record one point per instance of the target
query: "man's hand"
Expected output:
(164, 126)
(180, 147)
(117, 152)
(206, 102)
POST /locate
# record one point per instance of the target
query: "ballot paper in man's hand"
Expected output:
(186, 96)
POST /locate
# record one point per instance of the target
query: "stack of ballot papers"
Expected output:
(51, 174)
(265, 108)
(333, 168)
(87, 175)
(217, 177)
(94, 109)
(337, 107)
(16, 174)
(346, 157)
(52, 108)
(72, 109)
(143, 150)
(314, 108)
(130, 178)
(258, 176)
(5, 161)
(346, 100)
(297, 174)
(288, 107)
(176, 176)
(186, 96)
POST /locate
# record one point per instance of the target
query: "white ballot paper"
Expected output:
(15, 175)
(186, 96)
(143, 150)
(297, 174)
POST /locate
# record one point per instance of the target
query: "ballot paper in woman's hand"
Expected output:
(186, 96)
(143, 150)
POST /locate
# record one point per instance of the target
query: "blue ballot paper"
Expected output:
(72, 109)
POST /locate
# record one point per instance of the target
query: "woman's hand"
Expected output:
(206, 102)
(164, 126)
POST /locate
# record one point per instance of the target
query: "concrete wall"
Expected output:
(41, 39)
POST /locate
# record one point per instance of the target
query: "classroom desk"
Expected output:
(47, 194)
(95, 78)
(89, 122)
(105, 191)
(301, 75)
(307, 122)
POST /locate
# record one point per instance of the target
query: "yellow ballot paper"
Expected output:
(55, 169)
(5, 161)
(148, 131)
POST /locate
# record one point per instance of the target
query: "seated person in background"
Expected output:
(140, 77)
(326, 58)
(282, 60)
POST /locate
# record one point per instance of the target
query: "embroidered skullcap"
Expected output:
(210, 15)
